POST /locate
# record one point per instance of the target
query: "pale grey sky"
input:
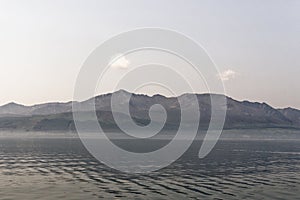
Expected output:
(43, 43)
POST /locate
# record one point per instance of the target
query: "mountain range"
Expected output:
(59, 117)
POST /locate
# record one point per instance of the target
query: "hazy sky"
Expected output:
(256, 44)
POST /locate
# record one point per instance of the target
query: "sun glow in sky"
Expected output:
(255, 44)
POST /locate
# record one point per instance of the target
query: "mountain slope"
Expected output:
(292, 114)
(58, 116)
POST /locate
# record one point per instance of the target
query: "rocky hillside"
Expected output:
(58, 116)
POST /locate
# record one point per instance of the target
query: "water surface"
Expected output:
(49, 166)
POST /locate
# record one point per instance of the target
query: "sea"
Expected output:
(244, 164)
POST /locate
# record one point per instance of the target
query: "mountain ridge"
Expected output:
(57, 116)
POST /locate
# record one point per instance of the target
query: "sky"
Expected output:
(255, 44)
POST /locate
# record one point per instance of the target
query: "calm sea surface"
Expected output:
(239, 167)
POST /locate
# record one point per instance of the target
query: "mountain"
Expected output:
(58, 116)
(13, 109)
(292, 114)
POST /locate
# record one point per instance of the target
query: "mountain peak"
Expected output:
(122, 91)
(13, 104)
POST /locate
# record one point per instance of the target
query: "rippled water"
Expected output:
(61, 168)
